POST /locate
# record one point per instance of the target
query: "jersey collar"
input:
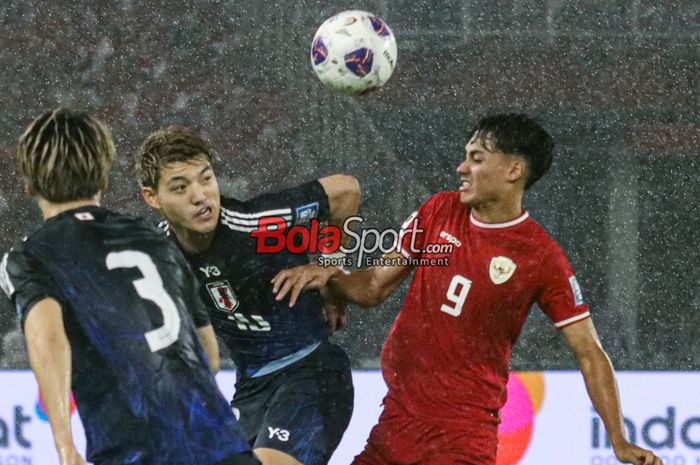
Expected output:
(507, 224)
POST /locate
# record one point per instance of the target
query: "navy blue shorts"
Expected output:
(302, 409)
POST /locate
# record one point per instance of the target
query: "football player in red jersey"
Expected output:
(446, 359)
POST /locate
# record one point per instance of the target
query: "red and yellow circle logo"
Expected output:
(525, 396)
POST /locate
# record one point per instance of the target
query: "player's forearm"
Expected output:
(211, 347)
(600, 382)
(359, 288)
(50, 359)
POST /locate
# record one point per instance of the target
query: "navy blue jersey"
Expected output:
(141, 380)
(235, 279)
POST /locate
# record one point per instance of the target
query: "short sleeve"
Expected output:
(298, 205)
(411, 237)
(561, 298)
(25, 282)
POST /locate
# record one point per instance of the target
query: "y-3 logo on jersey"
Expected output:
(210, 271)
(281, 434)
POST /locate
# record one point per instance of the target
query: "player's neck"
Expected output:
(498, 212)
(193, 242)
(51, 209)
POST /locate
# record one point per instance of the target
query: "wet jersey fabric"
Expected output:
(140, 377)
(448, 352)
(235, 279)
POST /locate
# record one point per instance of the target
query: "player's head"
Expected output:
(504, 153)
(65, 156)
(174, 167)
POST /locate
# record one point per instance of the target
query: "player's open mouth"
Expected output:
(465, 185)
(204, 213)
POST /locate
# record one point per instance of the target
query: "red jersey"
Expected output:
(448, 353)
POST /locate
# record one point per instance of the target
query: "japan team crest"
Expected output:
(501, 269)
(223, 296)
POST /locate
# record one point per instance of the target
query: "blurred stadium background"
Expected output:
(615, 81)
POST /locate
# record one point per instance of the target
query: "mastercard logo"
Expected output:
(525, 396)
(40, 408)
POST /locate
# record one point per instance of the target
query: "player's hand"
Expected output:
(334, 314)
(68, 455)
(629, 453)
(293, 281)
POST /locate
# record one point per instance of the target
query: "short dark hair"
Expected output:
(170, 145)
(66, 156)
(518, 134)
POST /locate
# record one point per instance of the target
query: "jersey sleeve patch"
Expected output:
(306, 213)
(576, 289)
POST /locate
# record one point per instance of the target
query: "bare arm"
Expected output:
(50, 358)
(367, 288)
(599, 377)
(211, 346)
(343, 193)
(344, 201)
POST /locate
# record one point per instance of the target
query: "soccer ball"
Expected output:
(353, 52)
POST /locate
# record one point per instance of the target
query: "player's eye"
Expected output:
(178, 189)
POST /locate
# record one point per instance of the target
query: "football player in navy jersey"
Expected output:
(109, 309)
(294, 393)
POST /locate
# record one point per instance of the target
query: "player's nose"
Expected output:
(198, 194)
(463, 168)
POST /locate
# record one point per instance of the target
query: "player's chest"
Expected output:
(485, 271)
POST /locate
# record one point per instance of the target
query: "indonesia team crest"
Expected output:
(223, 296)
(501, 269)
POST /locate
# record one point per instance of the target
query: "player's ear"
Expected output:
(150, 196)
(517, 170)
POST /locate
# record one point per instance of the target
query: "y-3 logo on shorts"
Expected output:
(281, 434)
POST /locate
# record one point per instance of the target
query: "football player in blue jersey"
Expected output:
(294, 394)
(110, 309)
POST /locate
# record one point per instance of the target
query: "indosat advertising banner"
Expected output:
(548, 419)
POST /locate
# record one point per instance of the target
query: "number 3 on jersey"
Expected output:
(456, 294)
(150, 287)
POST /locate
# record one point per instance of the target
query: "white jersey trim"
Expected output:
(508, 224)
(246, 229)
(5, 280)
(573, 319)
(234, 214)
(249, 222)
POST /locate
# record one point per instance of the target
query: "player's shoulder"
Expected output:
(541, 237)
(443, 202)
(15, 267)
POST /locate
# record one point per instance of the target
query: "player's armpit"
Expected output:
(211, 346)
